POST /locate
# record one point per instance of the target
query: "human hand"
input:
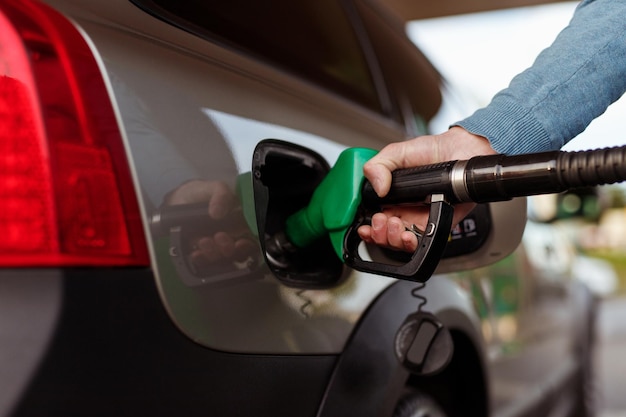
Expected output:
(218, 248)
(389, 228)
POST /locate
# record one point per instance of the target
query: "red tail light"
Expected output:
(66, 193)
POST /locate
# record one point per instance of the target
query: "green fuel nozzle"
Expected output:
(334, 203)
(344, 200)
(337, 210)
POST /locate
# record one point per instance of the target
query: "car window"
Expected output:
(412, 81)
(313, 39)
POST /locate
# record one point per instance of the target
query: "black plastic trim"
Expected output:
(285, 176)
(369, 380)
(115, 352)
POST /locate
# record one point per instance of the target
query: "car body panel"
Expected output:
(236, 326)
(169, 339)
(167, 153)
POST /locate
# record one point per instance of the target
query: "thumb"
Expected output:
(378, 169)
(379, 175)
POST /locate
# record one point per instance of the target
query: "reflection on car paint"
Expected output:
(243, 134)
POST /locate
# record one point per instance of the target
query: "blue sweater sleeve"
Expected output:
(570, 83)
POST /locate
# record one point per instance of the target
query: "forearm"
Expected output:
(570, 84)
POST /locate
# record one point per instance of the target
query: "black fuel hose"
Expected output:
(500, 177)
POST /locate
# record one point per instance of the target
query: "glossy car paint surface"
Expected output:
(225, 337)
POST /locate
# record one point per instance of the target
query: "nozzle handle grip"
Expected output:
(480, 179)
(413, 186)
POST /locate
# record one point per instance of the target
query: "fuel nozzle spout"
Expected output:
(278, 249)
(330, 212)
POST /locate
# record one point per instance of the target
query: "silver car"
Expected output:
(148, 147)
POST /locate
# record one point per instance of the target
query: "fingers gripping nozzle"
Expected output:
(337, 210)
(423, 261)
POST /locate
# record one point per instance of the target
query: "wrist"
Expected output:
(463, 144)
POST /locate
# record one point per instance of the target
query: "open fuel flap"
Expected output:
(285, 179)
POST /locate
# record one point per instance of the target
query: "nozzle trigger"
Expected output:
(423, 262)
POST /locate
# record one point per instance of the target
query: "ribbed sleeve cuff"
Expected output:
(509, 127)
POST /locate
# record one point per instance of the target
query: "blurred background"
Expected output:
(478, 54)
